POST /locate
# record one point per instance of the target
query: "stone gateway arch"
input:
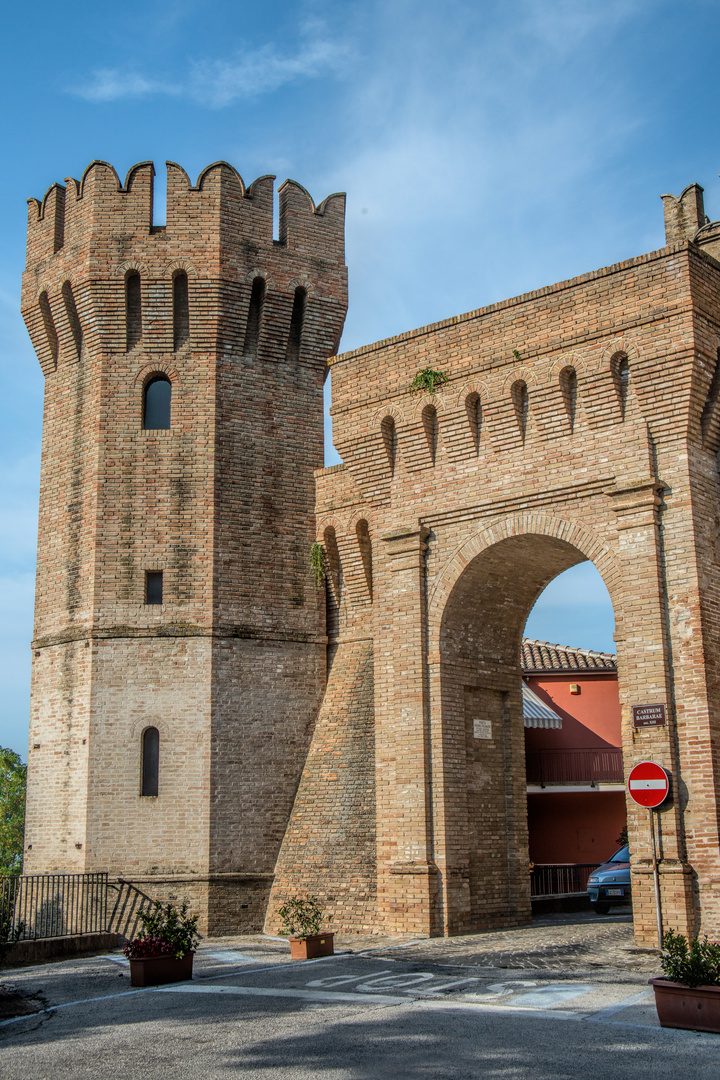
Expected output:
(361, 740)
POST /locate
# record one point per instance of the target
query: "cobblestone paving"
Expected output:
(560, 943)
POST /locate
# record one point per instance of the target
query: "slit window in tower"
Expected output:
(153, 586)
(150, 761)
(72, 317)
(252, 332)
(181, 311)
(157, 404)
(49, 324)
(296, 324)
(133, 309)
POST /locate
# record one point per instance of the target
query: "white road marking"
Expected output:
(342, 980)
(117, 960)
(228, 956)
(619, 1006)
(545, 997)
(288, 992)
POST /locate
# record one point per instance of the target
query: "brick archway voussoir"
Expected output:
(522, 524)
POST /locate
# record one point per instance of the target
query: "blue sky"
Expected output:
(487, 148)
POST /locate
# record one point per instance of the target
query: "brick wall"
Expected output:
(231, 667)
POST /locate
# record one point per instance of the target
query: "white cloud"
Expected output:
(218, 83)
(112, 84)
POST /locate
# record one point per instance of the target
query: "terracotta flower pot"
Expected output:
(156, 970)
(695, 1008)
(310, 947)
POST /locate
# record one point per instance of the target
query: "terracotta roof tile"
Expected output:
(543, 656)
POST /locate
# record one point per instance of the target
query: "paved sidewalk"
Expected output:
(563, 997)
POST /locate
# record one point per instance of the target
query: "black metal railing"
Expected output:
(574, 766)
(128, 902)
(559, 879)
(54, 905)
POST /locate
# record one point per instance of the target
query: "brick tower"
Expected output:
(179, 654)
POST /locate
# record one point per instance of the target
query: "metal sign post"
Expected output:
(656, 876)
(649, 785)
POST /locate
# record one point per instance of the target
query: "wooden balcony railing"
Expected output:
(574, 766)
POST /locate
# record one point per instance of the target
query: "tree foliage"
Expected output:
(12, 811)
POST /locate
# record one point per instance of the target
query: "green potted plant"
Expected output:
(164, 949)
(688, 993)
(301, 920)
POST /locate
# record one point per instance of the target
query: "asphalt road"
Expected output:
(363, 1016)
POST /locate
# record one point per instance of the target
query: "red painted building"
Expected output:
(575, 789)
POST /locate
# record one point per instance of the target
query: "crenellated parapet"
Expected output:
(89, 234)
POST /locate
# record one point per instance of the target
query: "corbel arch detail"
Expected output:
(258, 272)
(620, 345)
(475, 386)
(565, 360)
(303, 283)
(131, 264)
(180, 264)
(520, 374)
(393, 410)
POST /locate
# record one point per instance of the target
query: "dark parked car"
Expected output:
(610, 883)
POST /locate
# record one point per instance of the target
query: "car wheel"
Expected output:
(601, 909)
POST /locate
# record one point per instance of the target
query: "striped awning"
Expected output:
(536, 713)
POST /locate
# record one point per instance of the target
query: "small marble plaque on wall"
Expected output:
(482, 729)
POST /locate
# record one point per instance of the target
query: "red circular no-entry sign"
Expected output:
(648, 784)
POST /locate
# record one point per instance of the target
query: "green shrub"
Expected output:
(171, 925)
(302, 917)
(693, 962)
(12, 812)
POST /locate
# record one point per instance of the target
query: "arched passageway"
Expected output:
(484, 836)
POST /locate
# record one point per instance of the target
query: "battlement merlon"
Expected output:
(684, 215)
(219, 208)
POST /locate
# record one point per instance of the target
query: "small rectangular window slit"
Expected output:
(153, 586)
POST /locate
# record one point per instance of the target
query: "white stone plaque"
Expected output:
(482, 729)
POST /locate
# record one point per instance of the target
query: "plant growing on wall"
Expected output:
(427, 380)
(317, 563)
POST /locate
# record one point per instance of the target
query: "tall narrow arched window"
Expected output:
(133, 309)
(181, 310)
(620, 367)
(521, 404)
(254, 320)
(72, 317)
(363, 537)
(430, 424)
(296, 324)
(473, 408)
(711, 399)
(150, 761)
(568, 386)
(157, 400)
(389, 436)
(49, 325)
